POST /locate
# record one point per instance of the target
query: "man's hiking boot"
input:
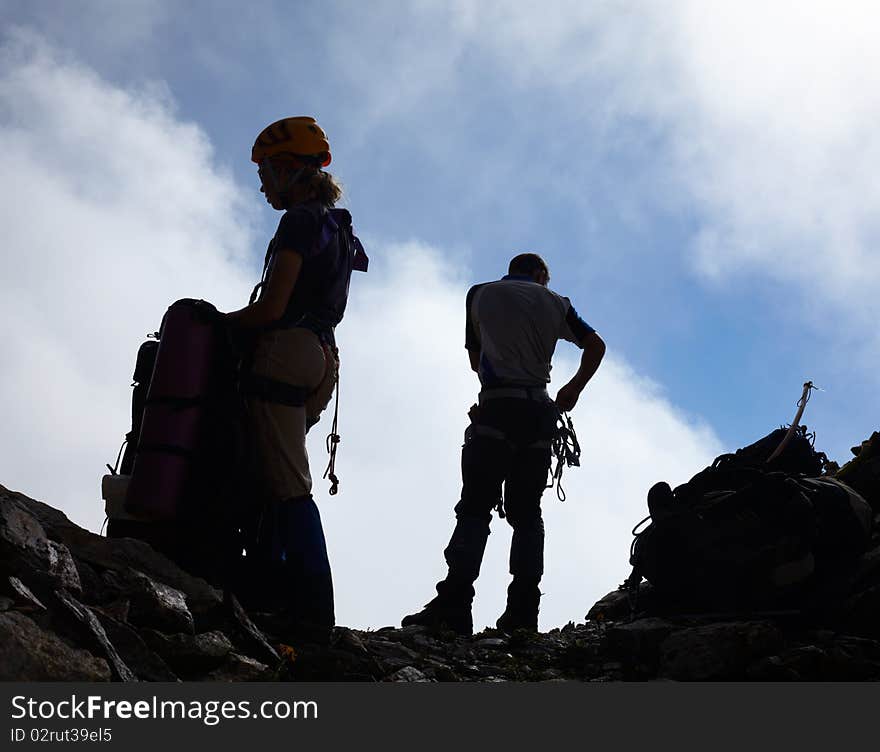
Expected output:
(451, 609)
(443, 615)
(512, 620)
(522, 607)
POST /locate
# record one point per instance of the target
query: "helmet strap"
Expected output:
(292, 180)
(267, 167)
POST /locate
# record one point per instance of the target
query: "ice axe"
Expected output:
(802, 403)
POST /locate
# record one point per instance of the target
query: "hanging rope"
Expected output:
(566, 449)
(332, 443)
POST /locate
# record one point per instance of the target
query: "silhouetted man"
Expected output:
(512, 329)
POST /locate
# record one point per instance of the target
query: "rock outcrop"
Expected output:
(75, 606)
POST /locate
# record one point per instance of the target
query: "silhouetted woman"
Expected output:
(293, 314)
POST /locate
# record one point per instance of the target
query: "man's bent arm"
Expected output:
(593, 352)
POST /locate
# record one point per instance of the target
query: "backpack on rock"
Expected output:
(745, 533)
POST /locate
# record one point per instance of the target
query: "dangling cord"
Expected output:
(557, 480)
(113, 470)
(567, 450)
(332, 443)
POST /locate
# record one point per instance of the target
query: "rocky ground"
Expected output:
(75, 606)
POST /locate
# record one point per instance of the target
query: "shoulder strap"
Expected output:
(259, 286)
(322, 215)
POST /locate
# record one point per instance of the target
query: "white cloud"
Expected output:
(112, 209)
(781, 147)
(103, 29)
(767, 111)
(754, 121)
(761, 112)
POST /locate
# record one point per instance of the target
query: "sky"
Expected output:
(700, 177)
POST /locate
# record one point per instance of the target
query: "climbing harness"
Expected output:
(332, 223)
(538, 394)
(565, 448)
(256, 385)
(564, 445)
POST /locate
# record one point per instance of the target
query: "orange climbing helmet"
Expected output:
(300, 139)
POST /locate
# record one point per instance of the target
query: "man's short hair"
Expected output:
(527, 263)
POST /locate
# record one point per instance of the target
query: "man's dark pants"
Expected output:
(507, 444)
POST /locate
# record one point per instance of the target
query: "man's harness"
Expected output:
(563, 445)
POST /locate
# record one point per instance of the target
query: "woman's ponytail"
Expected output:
(327, 190)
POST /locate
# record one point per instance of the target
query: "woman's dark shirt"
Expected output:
(323, 237)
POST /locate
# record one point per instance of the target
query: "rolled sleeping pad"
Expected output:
(174, 412)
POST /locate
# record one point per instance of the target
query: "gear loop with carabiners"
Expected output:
(565, 448)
